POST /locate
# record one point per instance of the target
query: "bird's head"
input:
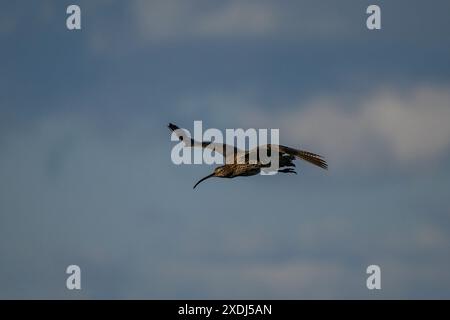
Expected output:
(220, 172)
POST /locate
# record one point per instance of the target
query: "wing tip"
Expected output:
(172, 127)
(314, 158)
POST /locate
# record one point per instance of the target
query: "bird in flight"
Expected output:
(234, 168)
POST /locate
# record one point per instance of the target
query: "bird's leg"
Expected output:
(287, 170)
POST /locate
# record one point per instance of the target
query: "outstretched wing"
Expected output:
(307, 156)
(224, 149)
(283, 150)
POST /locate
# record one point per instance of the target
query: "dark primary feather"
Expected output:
(173, 127)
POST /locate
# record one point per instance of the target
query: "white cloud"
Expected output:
(394, 127)
(415, 126)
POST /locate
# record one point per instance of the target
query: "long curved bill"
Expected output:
(203, 179)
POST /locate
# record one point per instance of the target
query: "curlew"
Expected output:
(245, 168)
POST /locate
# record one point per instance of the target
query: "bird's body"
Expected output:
(235, 170)
(247, 163)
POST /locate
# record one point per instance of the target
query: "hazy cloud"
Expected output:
(388, 126)
(181, 20)
(168, 19)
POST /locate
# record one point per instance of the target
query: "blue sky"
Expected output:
(86, 176)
